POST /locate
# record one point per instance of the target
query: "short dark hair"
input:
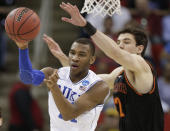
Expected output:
(139, 35)
(87, 41)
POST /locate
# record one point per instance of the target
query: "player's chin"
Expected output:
(74, 68)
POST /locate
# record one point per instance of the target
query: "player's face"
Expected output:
(79, 58)
(127, 42)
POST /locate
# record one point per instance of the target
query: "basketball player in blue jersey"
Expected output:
(76, 94)
(134, 83)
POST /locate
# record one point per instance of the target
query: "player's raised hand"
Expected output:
(52, 81)
(22, 45)
(53, 46)
(76, 18)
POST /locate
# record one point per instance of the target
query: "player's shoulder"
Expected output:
(93, 75)
(63, 72)
(67, 68)
(90, 80)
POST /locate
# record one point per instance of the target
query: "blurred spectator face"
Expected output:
(102, 67)
(141, 5)
(108, 23)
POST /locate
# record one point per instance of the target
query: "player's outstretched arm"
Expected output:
(95, 96)
(132, 62)
(56, 50)
(27, 74)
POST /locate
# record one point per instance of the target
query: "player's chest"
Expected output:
(72, 91)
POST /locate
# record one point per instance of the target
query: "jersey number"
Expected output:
(117, 101)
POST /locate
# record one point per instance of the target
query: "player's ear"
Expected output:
(140, 48)
(92, 59)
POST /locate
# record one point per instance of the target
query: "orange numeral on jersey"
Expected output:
(117, 101)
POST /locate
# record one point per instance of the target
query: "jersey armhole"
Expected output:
(154, 79)
(130, 85)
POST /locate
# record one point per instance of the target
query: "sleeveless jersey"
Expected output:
(138, 112)
(72, 91)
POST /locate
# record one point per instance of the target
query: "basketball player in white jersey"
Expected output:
(134, 83)
(76, 94)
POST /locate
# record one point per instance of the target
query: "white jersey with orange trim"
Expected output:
(72, 91)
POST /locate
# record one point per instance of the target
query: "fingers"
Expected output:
(66, 20)
(54, 77)
(52, 81)
(55, 53)
(22, 45)
(70, 6)
(47, 38)
(49, 83)
(49, 41)
(56, 71)
(76, 9)
(66, 7)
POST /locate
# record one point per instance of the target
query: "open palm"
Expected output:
(76, 18)
(53, 46)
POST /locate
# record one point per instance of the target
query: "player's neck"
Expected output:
(77, 77)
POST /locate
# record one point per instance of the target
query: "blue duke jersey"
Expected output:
(72, 91)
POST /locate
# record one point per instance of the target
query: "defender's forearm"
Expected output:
(64, 60)
(107, 45)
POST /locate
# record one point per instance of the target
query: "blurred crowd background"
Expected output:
(27, 106)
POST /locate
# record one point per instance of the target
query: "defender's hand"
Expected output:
(22, 45)
(53, 46)
(52, 81)
(76, 18)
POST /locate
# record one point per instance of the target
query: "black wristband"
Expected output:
(89, 29)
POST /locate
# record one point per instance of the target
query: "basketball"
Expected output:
(22, 24)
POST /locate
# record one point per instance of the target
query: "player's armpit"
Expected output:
(110, 78)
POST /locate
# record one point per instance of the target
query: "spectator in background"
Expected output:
(150, 20)
(166, 27)
(111, 121)
(108, 25)
(118, 20)
(25, 113)
(3, 36)
(147, 18)
(7, 2)
(164, 87)
(103, 63)
(1, 120)
(165, 55)
(164, 91)
(3, 42)
(163, 5)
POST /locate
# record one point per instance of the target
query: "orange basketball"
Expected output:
(22, 24)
